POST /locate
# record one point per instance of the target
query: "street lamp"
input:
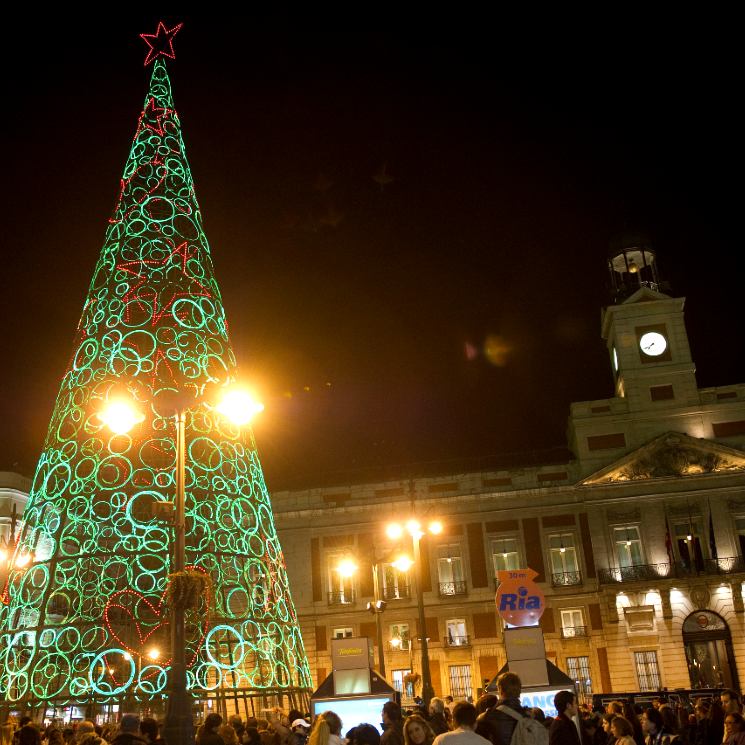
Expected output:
(414, 528)
(120, 416)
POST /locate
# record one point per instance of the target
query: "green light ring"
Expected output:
(95, 680)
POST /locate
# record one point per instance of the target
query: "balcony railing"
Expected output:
(570, 632)
(448, 589)
(726, 565)
(457, 641)
(402, 592)
(638, 573)
(566, 579)
(341, 598)
(645, 572)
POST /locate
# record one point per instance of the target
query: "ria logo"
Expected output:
(520, 601)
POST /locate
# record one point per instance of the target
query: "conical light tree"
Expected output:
(84, 616)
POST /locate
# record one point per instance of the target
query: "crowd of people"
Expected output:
(495, 719)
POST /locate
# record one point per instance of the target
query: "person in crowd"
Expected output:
(237, 724)
(149, 732)
(392, 724)
(229, 737)
(606, 721)
(498, 726)
(633, 718)
(54, 737)
(300, 729)
(252, 736)
(417, 731)
(653, 725)
(537, 713)
(622, 731)
(207, 734)
(326, 730)
(731, 701)
(716, 718)
(734, 729)
(129, 731)
(363, 734)
(593, 730)
(93, 738)
(278, 722)
(563, 730)
(267, 734)
(464, 722)
(484, 703)
(437, 720)
(86, 727)
(29, 735)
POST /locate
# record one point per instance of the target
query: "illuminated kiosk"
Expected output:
(520, 603)
(353, 690)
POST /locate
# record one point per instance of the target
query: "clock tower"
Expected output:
(645, 332)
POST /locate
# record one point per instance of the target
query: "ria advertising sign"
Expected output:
(520, 602)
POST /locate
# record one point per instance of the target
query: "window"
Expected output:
(563, 553)
(395, 583)
(397, 678)
(450, 570)
(505, 554)
(460, 681)
(740, 528)
(578, 669)
(628, 546)
(647, 671)
(342, 633)
(688, 542)
(572, 623)
(400, 638)
(456, 629)
(341, 587)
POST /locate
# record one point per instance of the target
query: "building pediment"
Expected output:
(671, 454)
(644, 295)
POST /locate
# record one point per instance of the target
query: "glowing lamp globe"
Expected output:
(239, 407)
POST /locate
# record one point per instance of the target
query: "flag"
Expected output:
(668, 543)
(712, 540)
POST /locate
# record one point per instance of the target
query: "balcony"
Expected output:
(680, 569)
(342, 598)
(566, 579)
(401, 592)
(638, 573)
(572, 632)
(457, 641)
(451, 589)
(727, 565)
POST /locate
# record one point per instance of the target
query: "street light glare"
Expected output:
(346, 568)
(414, 527)
(403, 563)
(23, 560)
(154, 653)
(239, 406)
(120, 416)
(435, 527)
(394, 531)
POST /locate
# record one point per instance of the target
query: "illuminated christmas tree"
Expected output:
(84, 616)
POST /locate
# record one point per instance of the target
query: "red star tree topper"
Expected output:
(160, 44)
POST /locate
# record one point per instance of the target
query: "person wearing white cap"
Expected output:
(300, 729)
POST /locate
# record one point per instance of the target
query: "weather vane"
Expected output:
(160, 44)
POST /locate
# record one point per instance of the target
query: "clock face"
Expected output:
(653, 344)
(615, 359)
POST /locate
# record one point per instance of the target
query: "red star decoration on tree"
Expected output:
(154, 112)
(161, 42)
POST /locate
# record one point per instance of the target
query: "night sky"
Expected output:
(409, 226)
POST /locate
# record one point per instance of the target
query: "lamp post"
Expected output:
(414, 529)
(376, 608)
(121, 417)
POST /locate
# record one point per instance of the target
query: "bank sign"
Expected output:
(520, 602)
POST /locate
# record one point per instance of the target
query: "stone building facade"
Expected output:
(638, 540)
